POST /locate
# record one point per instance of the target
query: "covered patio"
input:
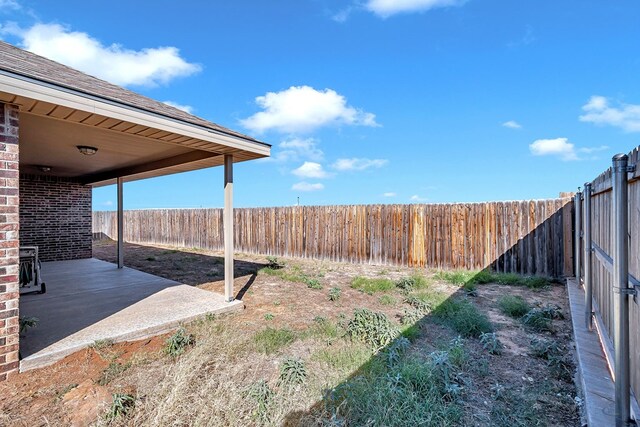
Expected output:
(62, 133)
(91, 300)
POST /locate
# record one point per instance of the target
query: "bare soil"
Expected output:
(74, 391)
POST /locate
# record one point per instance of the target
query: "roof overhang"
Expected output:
(132, 143)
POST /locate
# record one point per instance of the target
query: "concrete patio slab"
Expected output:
(89, 300)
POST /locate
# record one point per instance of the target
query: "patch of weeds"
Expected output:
(312, 283)
(508, 279)
(344, 359)
(277, 303)
(112, 371)
(409, 392)
(418, 304)
(27, 322)
(463, 317)
(411, 283)
(396, 351)
(274, 263)
(536, 282)
(458, 277)
(168, 252)
(323, 328)
(292, 372)
(491, 343)
(270, 340)
(121, 406)
(268, 316)
(371, 328)
(410, 317)
(263, 396)
(177, 343)
(383, 272)
(514, 306)
(483, 277)
(371, 286)
(531, 282)
(151, 258)
(539, 319)
(387, 300)
(557, 358)
(335, 294)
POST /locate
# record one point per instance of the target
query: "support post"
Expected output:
(620, 290)
(578, 230)
(228, 227)
(120, 224)
(588, 251)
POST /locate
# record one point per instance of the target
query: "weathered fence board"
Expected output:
(528, 237)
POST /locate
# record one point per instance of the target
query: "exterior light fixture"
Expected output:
(86, 150)
(45, 168)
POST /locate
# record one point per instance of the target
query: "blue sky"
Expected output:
(369, 101)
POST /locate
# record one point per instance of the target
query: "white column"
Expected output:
(228, 227)
(120, 225)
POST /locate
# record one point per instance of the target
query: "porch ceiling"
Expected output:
(136, 137)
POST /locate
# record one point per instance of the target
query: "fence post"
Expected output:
(621, 290)
(578, 229)
(588, 251)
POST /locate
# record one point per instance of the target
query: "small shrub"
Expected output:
(27, 322)
(558, 361)
(335, 294)
(544, 349)
(421, 306)
(514, 306)
(292, 372)
(552, 312)
(410, 317)
(312, 283)
(268, 316)
(463, 317)
(121, 405)
(471, 289)
(396, 350)
(411, 283)
(538, 319)
(270, 340)
(178, 342)
(371, 286)
(491, 343)
(371, 328)
(101, 344)
(263, 396)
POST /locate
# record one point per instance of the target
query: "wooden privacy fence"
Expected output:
(527, 237)
(602, 234)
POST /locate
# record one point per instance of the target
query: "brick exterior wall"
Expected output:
(9, 241)
(55, 215)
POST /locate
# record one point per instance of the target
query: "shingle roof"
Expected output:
(27, 64)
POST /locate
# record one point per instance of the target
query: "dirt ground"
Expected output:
(505, 389)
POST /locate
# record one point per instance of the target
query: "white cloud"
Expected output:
(560, 147)
(6, 5)
(305, 186)
(356, 164)
(386, 8)
(342, 15)
(295, 149)
(590, 150)
(624, 116)
(512, 124)
(389, 194)
(301, 109)
(416, 198)
(185, 108)
(114, 63)
(107, 203)
(311, 170)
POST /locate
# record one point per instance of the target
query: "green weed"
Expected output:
(387, 300)
(491, 343)
(270, 340)
(463, 317)
(413, 282)
(371, 286)
(177, 343)
(121, 405)
(371, 328)
(334, 294)
(112, 371)
(292, 372)
(514, 306)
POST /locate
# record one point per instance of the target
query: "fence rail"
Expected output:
(527, 237)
